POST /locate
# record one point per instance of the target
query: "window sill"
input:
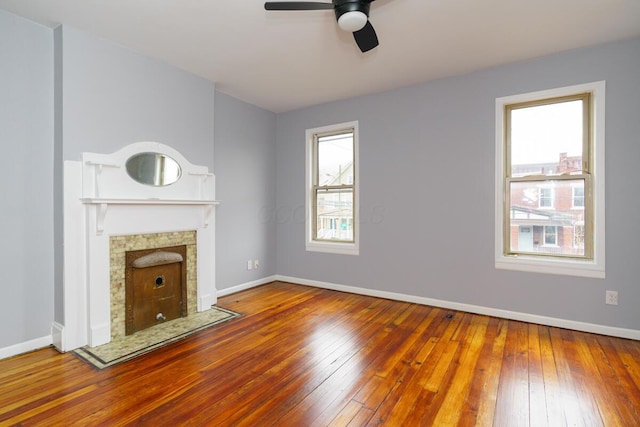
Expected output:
(334, 248)
(551, 266)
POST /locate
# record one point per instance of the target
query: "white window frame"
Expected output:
(595, 267)
(345, 248)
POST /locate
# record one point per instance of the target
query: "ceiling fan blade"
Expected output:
(366, 37)
(297, 5)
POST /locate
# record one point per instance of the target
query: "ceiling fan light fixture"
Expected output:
(352, 21)
(352, 17)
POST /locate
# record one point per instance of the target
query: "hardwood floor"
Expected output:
(302, 356)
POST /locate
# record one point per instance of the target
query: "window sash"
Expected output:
(332, 189)
(587, 128)
(587, 214)
(348, 191)
(546, 180)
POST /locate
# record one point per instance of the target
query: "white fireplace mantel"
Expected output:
(99, 184)
(103, 205)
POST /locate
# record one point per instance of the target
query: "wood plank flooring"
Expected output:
(302, 356)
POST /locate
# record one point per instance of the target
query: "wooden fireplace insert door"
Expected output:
(155, 287)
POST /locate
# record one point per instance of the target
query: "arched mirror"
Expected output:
(153, 169)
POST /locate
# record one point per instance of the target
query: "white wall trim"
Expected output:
(245, 286)
(581, 268)
(322, 246)
(24, 347)
(476, 309)
(633, 334)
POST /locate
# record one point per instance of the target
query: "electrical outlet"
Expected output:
(256, 264)
(249, 265)
(611, 297)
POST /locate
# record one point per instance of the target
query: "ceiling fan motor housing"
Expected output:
(344, 6)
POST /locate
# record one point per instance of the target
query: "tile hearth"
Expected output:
(147, 340)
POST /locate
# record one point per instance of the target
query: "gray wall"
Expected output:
(26, 206)
(427, 191)
(113, 97)
(109, 97)
(245, 168)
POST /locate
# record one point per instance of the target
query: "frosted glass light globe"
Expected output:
(352, 21)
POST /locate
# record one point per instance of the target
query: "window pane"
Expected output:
(550, 235)
(543, 218)
(335, 159)
(334, 219)
(547, 139)
(578, 196)
(545, 197)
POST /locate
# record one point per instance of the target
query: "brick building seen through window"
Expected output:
(548, 217)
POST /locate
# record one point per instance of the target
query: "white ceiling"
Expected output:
(282, 61)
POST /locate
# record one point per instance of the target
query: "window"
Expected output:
(578, 196)
(545, 197)
(550, 181)
(550, 235)
(332, 194)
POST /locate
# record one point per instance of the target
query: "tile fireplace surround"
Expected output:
(102, 202)
(120, 245)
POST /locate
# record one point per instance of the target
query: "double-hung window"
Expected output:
(332, 189)
(550, 181)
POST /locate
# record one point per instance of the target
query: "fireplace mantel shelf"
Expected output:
(103, 204)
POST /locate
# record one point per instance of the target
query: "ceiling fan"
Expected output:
(352, 15)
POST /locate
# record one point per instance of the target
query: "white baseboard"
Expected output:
(487, 311)
(57, 330)
(245, 286)
(24, 347)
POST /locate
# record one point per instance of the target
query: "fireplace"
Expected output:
(103, 205)
(134, 246)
